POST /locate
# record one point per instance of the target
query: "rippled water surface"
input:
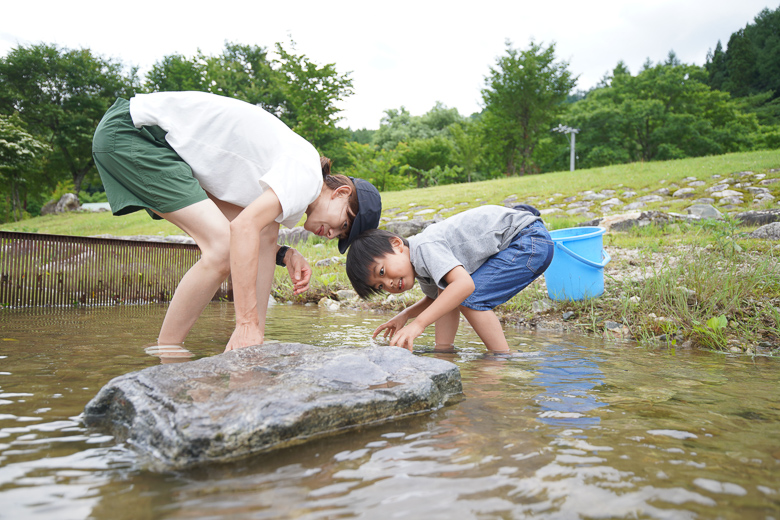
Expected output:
(573, 428)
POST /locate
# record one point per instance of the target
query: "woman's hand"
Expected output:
(299, 269)
(392, 326)
(244, 336)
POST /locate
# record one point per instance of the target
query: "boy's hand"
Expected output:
(390, 327)
(406, 336)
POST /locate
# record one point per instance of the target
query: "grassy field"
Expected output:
(701, 284)
(638, 176)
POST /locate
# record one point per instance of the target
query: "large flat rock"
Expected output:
(263, 397)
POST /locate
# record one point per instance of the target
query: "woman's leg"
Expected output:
(210, 229)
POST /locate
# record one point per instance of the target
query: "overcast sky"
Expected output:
(410, 53)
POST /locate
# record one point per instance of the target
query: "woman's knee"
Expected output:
(216, 254)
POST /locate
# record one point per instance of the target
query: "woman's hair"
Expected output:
(334, 182)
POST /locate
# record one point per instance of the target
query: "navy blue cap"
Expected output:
(369, 211)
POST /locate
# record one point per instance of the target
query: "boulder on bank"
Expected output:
(68, 202)
(767, 232)
(263, 397)
(408, 228)
(759, 217)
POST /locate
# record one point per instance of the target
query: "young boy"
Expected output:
(469, 263)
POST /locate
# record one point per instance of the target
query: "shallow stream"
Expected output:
(573, 428)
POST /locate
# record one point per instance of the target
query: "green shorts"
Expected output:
(138, 167)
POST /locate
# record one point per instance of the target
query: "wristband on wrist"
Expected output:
(280, 256)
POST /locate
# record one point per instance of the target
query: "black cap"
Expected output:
(369, 211)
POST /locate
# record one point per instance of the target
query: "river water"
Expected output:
(575, 427)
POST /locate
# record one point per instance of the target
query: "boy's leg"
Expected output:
(504, 275)
(446, 328)
(488, 328)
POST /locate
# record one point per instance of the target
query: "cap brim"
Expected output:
(369, 211)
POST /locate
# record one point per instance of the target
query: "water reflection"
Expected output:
(571, 428)
(568, 377)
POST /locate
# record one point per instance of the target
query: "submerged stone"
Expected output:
(264, 397)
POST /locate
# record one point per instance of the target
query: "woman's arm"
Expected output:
(245, 259)
(459, 286)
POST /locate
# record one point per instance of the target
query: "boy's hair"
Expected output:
(364, 252)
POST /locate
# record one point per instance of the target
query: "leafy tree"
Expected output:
(422, 156)
(750, 65)
(298, 91)
(664, 112)
(245, 72)
(362, 136)
(523, 95)
(398, 126)
(741, 66)
(61, 95)
(379, 167)
(176, 73)
(310, 94)
(21, 157)
(467, 148)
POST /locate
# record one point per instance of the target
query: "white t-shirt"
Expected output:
(236, 150)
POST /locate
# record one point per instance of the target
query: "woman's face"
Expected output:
(330, 218)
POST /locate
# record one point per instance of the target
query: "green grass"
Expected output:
(458, 197)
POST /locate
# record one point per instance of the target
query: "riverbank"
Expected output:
(676, 280)
(692, 268)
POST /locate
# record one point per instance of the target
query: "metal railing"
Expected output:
(57, 270)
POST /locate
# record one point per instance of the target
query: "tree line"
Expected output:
(51, 100)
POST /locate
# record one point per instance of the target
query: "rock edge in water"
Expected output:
(264, 397)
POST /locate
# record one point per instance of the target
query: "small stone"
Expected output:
(684, 193)
(327, 303)
(334, 260)
(704, 211)
(726, 193)
(346, 295)
(540, 306)
(567, 315)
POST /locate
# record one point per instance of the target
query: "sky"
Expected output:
(401, 53)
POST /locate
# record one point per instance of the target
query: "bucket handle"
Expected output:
(604, 255)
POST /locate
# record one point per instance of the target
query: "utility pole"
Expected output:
(567, 130)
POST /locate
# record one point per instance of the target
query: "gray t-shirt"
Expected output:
(466, 239)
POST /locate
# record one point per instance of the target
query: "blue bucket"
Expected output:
(577, 269)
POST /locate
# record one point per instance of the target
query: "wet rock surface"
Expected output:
(259, 398)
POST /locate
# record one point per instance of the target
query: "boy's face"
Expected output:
(393, 272)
